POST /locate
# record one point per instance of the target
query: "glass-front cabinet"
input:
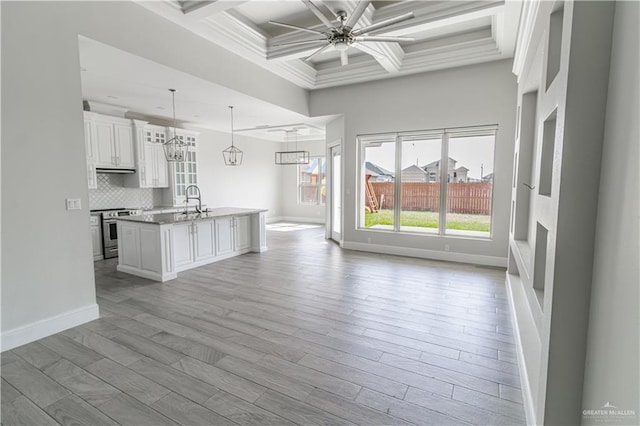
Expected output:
(184, 173)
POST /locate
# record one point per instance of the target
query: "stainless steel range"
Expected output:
(110, 230)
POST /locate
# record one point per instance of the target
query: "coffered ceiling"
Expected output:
(445, 34)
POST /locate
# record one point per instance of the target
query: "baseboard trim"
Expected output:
(298, 220)
(46, 327)
(527, 397)
(475, 259)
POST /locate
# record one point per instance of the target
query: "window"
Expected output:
(312, 181)
(431, 182)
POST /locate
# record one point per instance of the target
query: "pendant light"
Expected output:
(232, 155)
(292, 157)
(175, 149)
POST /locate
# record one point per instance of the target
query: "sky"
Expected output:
(475, 153)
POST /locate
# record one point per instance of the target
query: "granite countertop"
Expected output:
(170, 218)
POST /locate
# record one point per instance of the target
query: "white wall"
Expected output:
(473, 95)
(611, 373)
(291, 210)
(47, 268)
(256, 183)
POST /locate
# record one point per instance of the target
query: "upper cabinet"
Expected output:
(92, 179)
(183, 174)
(152, 168)
(112, 141)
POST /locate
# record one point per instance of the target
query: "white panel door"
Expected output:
(160, 168)
(182, 245)
(224, 236)
(242, 233)
(128, 245)
(96, 240)
(104, 148)
(204, 240)
(124, 146)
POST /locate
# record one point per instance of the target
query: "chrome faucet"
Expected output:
(199, 206)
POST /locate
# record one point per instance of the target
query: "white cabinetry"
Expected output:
(233, 234)
(183, 174)
(111, 140)
(193, 242)
(224, 233)
(92, 179)
(96, 237)
(241, 233)
(159, 248)
(151, 164)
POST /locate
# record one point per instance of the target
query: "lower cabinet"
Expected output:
(96, 238)
(193, 242)
(233, 234)
(241, 233)
(224, 234)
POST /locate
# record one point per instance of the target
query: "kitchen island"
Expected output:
(158, 246)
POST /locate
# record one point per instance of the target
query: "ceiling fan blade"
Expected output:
(317, 52)
(366, 49)
(293, 43)
(295, 27)
(382, 24)
(357, 13)
(344, 58)
(383, 38)
(316, 11)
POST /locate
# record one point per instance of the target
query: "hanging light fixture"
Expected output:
(175, 149)
(232, 155)
(292, 157)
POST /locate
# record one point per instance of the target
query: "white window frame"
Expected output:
(300, 185)
(369, 139)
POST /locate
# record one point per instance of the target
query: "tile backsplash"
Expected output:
(111, 193)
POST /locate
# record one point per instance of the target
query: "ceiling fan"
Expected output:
(343, 35)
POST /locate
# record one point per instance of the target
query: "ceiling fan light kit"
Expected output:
(175, 149)
(342, 36)
(232, 155)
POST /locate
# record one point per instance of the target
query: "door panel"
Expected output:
(182, 244)
(224, 236)
(204, 240)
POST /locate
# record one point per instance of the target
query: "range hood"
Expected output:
(121, 171)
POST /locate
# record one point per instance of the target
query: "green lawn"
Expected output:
(463, 222)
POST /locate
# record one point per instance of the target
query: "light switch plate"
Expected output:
(74, 204)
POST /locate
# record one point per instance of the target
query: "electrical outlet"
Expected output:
(447, 247)
(74, 204)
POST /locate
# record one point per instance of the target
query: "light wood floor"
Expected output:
(306, 333)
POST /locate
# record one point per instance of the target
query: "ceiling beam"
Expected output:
(202, 9)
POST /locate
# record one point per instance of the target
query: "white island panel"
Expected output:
(159, 246)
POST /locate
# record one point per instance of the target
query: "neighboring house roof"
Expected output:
(437, 162)
(414, 169)
(487, 177)
(459, 169)
(374, 169)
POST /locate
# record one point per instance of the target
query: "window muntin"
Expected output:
(312, 180)
(416, 194)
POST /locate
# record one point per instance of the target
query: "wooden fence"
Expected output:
(466, 198)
